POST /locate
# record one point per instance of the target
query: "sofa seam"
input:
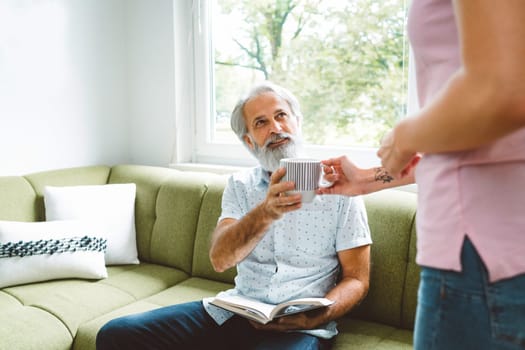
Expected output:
(35, 206)
(58, 318)
(150, 248)
(13, 296)
(30, 184)
(42, 309)
(206, 188)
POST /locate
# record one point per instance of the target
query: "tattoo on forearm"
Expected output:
(382, 175)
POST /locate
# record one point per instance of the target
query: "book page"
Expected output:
(245, 303)
(264, 312)
(299, 305)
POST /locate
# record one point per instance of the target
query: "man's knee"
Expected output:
(112, 334)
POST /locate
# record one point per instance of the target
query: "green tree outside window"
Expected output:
(346, 61)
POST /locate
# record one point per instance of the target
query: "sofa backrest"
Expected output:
(17, 199)
(167, 212)
(21, 197)
(210, 212)
(394, 275)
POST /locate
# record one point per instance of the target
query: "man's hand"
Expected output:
(302, 320)
(233, 240)
(277, 201)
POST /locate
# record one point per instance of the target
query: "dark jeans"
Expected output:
(188, 326)
(462, 310)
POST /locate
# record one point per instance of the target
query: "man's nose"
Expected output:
(276, 126)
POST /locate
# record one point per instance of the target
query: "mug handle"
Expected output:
(322, 181)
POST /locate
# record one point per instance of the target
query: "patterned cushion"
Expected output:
(40, 251)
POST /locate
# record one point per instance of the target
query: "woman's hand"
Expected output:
(346, 178)
(397, 163)
(350, 180)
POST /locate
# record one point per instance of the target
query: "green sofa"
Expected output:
(175, 213)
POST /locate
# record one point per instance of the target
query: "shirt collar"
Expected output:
(263, 178)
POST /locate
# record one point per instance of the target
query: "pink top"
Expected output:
(479, 193)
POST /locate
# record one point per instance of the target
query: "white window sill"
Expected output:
(210, 168)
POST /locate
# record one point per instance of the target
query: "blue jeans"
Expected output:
(462, 310)
(188, 326)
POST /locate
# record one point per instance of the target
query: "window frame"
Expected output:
(201, 149)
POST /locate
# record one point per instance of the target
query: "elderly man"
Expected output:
(283, 249)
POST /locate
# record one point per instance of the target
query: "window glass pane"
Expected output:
(346, 61)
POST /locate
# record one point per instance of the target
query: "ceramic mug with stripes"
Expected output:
(306, 173)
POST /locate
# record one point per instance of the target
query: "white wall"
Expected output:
(85, 82)
(151, 81)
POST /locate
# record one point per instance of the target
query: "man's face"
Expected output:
(273, 132)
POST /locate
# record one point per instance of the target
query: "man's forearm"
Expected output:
(232, 242)
(347, 295)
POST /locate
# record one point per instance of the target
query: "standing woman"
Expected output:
(470, 132)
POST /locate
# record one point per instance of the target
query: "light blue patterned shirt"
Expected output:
(297, 257)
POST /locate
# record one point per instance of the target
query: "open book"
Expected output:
(264, 313)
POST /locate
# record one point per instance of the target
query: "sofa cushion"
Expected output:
(41, 329)
(358, 334)
(141, 281)
(74, 301)
(86, 335)
(193, 288)
(40, 251)
(110, 207)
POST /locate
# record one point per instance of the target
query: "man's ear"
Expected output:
(298, 122)
(248, 141)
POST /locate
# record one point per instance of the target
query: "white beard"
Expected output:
(270, 158)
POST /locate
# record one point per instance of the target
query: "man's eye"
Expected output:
(259, 123)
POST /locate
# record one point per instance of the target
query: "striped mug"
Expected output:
(306, 173)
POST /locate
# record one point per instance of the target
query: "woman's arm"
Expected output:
(483, 101)
(350, 180)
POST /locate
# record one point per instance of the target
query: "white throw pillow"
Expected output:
(111, 207)
(42, 251)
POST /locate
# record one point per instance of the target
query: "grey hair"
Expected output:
(237, 121)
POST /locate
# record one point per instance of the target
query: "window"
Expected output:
(346, 61)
